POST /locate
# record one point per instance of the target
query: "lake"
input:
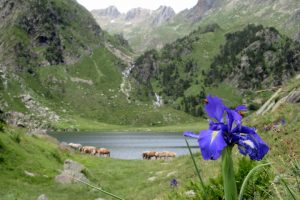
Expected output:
(131, 145)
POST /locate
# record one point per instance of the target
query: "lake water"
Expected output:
(131, 145)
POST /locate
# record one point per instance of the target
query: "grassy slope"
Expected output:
(129, 179)
(204, 46)
(88, 90)
(39, 155)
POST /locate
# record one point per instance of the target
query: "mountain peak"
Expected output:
(163, 14)
(111, 11)
(200, 9)
(136, 13)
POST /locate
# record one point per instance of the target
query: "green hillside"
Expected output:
(255, 58)
(22, 155)
(59, 69)
(41, 156)
(212, 61)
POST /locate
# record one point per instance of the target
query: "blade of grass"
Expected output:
(92, 186)
(248, 177)
(288, 188)
(196, 167)
(296, 171)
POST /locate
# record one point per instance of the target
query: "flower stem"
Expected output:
(197, 169)
(229, 183)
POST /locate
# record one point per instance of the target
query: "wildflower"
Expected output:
(283, 122)
(220, 134)
(173, 183)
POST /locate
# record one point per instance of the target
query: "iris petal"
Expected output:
(211, 144)
(233, 116)
(250, 143)
(190, 134)
(214, 108)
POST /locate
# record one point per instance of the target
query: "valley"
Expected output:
(102, 78)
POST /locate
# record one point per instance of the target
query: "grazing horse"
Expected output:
(161, 155)
(88, 149)
(148, 155)
(75, 146)
(165, 155)
(145, 155)
(171, 154)
(103, 151)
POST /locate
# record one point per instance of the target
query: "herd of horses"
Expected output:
(147, 155)
(91, 150)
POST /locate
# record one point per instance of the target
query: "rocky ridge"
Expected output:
(135, 15)
(199, 10)
(162, 15)
(154, 32)
(111, 12)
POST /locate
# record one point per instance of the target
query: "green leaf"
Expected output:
(248, 177)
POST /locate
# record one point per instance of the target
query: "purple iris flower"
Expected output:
(173, 183)
(220, 134)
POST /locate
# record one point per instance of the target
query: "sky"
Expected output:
(125, 5)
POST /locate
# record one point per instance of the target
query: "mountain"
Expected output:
(59, 69)
(137, 25)
(255, 58)
(41, 33)
(111, 12)
(229, 14)
(137, 14)
(162, 15)
(232, 66)
(198, 11)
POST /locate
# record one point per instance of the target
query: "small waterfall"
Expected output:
(125, 86)
(159, 101)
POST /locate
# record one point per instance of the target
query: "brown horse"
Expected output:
(88, 150)
(103, 151)
(160, 155)
(165, 155)
(148, 154)
(171, 154)
(145, 155)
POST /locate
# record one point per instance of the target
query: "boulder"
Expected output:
(64, 146)
(72, 171)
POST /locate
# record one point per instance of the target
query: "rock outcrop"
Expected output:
(197, 12)
(162, 14)
(111, 12)
(137, 13)
(46, 27)
(72, 170)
